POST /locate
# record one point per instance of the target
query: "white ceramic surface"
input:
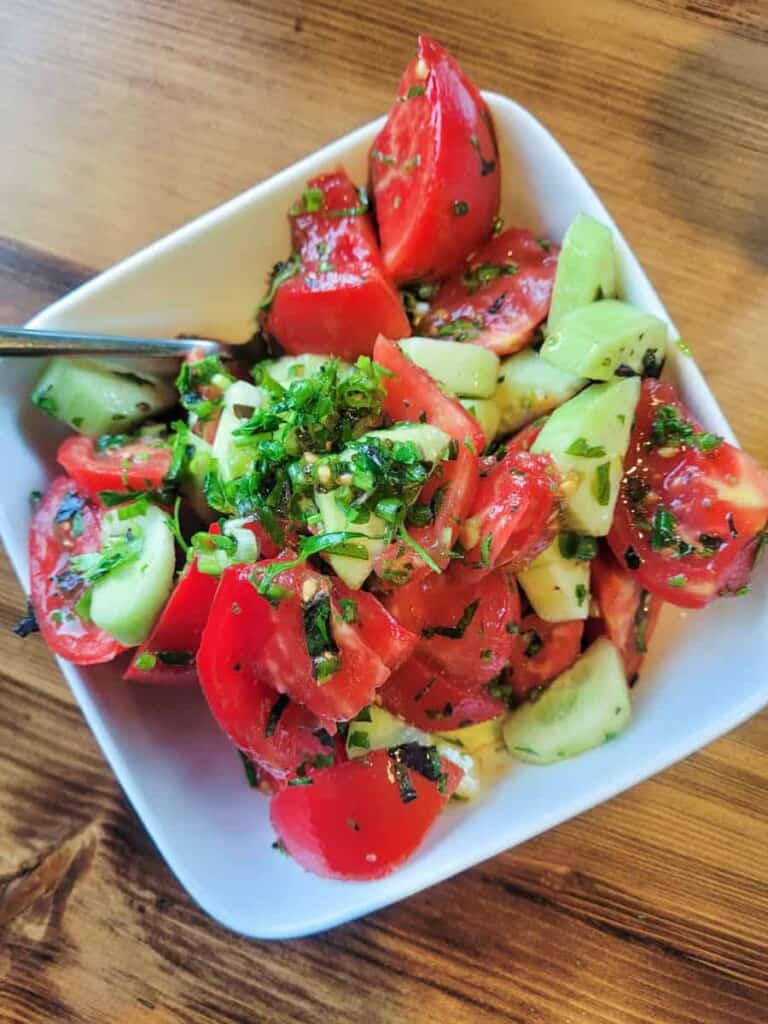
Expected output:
(708, 671)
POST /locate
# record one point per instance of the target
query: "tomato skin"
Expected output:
(427, 696)
(456, 479)
(340, 299)
(239, 698)
(486, 643)
(516, 505)
(139, 465)
(560, 647)
(720, 494)
(52, 545)
(178, 630)
(628, 614)
(436, 190)
(503, 313)
(351, 823)
(412, 395)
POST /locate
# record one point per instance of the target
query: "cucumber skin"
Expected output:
(595, 340)
(128, 600)
(528, 387)
(602, 415)
(469, 371)
(93, 398)
(586, 268)
(550, 583)
(586, 706)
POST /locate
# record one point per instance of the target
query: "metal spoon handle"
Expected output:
(20, 341)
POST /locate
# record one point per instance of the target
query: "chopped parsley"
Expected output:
(484, 273)
(679, 580)
(359, 739)
(460, 207)
(282, 271)
(670, 430)
(414, 91)
(632, 559)
(578, 546)
(250, 770)
(275, 713)
(453, 632)
(585, 450)
(348, 608)
(581, 594)
(318, 636)
(602, 485)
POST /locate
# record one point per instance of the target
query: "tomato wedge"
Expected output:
(434, 169)
(545, 650)
(628, 613)
(127, 464)
(467, 626)
(360, 820)
(334, 297)
(379, 630)
(514, 514)
(427, 696)
(168, 656)
(500, 295)
(414, 396)
(65, 524)
(689, 503)
(270, 728)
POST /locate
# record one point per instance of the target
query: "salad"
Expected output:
(427, 529)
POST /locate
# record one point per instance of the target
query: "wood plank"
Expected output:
(650, 908)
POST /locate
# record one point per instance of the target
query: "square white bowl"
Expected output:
(707, 672)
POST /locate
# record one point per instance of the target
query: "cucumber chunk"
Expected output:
(126, 602)
(354, 571)
(586, 268)
(557, 587)
(474, 738)
(529, 387)
(605, 339)
(192, 481)
(100, 398)
(287, 369)
(431, 441)
(588, 439)
(466, 370)
(583, 708)
(377, 729)
(486, 412)
(240, 401)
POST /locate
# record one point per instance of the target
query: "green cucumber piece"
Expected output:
(432, 442)
(529, 387)
(584, 707)
(377, 729)
(486, 412)
(240, 401)
(588, 438)
(354, 571)
(586, 268)
(607, 339)
(474, 738)
(192, 482)
(466, 370)
(557, 587)
(287, 369)
(100, 398)
(126, 602)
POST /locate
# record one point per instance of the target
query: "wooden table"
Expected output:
(118, 127)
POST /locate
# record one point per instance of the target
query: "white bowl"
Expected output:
(707, 673)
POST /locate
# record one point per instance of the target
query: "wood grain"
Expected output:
(125, 120)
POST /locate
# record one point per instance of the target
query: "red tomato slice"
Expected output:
(463, 625)
(628, 614)
(383, 634)
(434, 169)
(450, 491)
(425, 695)
(138, 465)
(360, 820)
(272, 730)
(414, 396)
(499, 297)
(514, 514)
(545, 650)
(276, 650)
(175, 639)
(338, 300)
(688, 505)
(65, 524)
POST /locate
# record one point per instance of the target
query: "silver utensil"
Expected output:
(20, 341)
